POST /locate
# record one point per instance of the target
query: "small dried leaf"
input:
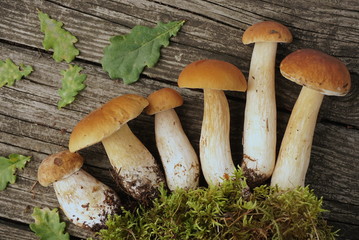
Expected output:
(72, 84)
(58, 39)
(10, 72)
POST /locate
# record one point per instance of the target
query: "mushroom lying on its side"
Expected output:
(137, 171)
(179, 159)
(320, 74)
(214, 76)
(85, 201)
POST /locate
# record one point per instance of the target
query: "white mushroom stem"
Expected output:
(135, 166)
(294, 154)
(86, 201)
(260, 129)
(215, 150)
(179, 159)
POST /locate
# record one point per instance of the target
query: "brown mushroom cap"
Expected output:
(162, 100)
(58, 166)
(267, 31)
(212, 74)
(106, 120)
(317, 70)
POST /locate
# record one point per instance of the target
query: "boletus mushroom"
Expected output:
(319, 74)
(137, 172)
(214, 76)
(179, 159)
(85, 201)
(260, 117)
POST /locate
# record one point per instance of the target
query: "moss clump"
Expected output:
(229, 211)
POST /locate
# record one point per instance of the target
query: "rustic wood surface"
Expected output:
(31, 124)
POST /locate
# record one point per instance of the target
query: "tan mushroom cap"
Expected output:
(162, 100)
(212, 74)
(317, 70)
(267, 31)
(58, 166)
(106, 120)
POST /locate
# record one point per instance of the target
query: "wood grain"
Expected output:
(31, 124)
(201, 37)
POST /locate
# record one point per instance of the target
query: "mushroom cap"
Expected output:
(58, 166)
(267, 31)
(212, 74)
(162, 100)
(106, 120)
(317, 70)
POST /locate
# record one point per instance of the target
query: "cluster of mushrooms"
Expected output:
(87, 202)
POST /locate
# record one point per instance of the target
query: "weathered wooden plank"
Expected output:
(15, 231)
(345, 211)
(31, 124)
(346, 231)
(19, 231)
(325, 172)
(26, 199)
(25, 103)
(203, 36)
(40, 196)
(30, 102)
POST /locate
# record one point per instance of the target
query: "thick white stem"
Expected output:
(86, 201)
(179, 159)
(260, 128)
(294, 153)
(215, 150)
(137, 171)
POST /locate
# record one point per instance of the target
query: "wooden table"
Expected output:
(31, 124)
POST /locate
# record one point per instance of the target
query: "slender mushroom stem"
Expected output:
(294, 154)
(215, 151)
(260, 129)
(136, 167)
(86, 201)
(179, 159)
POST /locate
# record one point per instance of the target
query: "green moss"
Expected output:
(229, 211)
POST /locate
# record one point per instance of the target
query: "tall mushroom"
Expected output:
(137, 171)
(179, 159)
(85, 201)
(214, 76)
(320, 74)
(260, 118)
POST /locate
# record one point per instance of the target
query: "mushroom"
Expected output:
(137, 172)
(214, 76)
(179, 159)
(260, 117)
(320, 74)
(85, 201)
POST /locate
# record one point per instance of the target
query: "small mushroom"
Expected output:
(214, 76)
(137, 171)
(320, 74)
(260, 117)
(179, 159)
(85, 201)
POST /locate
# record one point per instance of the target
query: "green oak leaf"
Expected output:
(127, 55)
(72, 83)
(47, 225)
(10, 72)
(8, 167)
(58, 39)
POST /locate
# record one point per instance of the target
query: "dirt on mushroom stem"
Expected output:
(137, 187)
(109, 200)
(254, 178)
